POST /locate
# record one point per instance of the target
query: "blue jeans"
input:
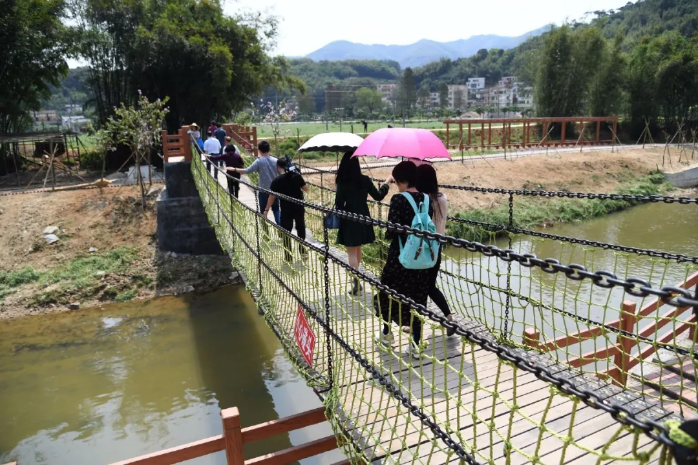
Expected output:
(263, 199)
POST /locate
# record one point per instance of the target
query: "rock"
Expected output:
(74, 306)
(101, 273)
(173, 255)
(93, 249)
(188, 289)
(51, 238)
(50, 230)
(234, 276)
(154, 191)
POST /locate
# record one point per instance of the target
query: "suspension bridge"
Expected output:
(552, 361)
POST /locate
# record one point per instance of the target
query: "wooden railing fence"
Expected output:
(621, 351)
(234, 438)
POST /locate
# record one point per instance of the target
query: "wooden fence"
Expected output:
(529, 127)
(234, 438)
(623, 358)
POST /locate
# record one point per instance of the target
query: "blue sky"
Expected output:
(307, 25)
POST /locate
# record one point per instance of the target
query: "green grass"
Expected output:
(126, 296)
(530, 212)
(78, 277)
(314, 128)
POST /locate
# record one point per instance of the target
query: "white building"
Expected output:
(475, 83)
(434, 99)
(453, 91)
(388, 91)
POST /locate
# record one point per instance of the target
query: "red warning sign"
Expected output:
(305, 338)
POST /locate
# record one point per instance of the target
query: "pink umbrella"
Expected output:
(403, 142)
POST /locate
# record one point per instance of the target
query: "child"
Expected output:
(290, 184)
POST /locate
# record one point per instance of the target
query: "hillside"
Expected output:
(419, 53)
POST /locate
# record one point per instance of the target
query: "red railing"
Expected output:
(621, 351)
(469, 140)
(176, 145)
(234, 438)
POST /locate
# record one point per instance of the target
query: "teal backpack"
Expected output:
(419, 253)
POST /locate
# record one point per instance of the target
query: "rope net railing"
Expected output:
(493, 393)
(553, 307)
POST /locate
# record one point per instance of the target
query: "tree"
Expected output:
(423, 97)
(407, 94)
(458, 100)
(369, 99)
(607, 93)
(138, 128)
(208, 64)
(443, 95)
(33, 48)
(306, 103)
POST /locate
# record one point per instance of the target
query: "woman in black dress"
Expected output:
(413, 284)
(352, 191)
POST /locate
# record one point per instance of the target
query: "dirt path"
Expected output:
(588, 171)
(106, 251)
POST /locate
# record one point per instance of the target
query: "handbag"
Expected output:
(331, 221)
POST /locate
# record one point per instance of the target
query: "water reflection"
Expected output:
(107, 384)
(664, 227)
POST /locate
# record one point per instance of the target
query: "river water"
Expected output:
(110, 383)
(114, 382)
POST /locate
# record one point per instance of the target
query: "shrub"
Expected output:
(92, 160)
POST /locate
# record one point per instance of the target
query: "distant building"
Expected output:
(45, 115)
(434, 99)
(507, 81)
(73, 108)
(475, 83)
(388, 91)
(453, 91)
(76, 123)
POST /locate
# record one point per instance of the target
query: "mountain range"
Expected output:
(419, 53)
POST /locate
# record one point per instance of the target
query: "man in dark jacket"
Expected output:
(290, 184)
(232, 159)
(220, 134)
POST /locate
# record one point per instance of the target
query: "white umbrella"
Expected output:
(332, 142)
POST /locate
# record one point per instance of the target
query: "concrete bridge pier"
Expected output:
(182, 224)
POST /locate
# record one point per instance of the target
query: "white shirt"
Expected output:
(212, 146)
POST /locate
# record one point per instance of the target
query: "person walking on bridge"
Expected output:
(353, 189)
(231, 157)
(427, 183)
(211, 147)
(412, 283)
(291, 184)
(265, 165)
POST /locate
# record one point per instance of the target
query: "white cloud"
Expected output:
(307, 25)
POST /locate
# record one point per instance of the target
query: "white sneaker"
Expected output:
(413, 350)
(383, 339)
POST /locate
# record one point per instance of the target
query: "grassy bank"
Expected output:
(531, 212)
(84, 276)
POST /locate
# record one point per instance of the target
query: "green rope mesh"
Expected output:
(495, 411)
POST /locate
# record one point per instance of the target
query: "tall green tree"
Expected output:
(209, 64)
(407, 93)
(33, 50)
(443, 95)
(608, 88)
(368, 99)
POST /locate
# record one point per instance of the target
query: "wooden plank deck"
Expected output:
(482, 402)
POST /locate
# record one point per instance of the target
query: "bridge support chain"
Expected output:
(505, 331)
(259, 251)
(327, 304)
